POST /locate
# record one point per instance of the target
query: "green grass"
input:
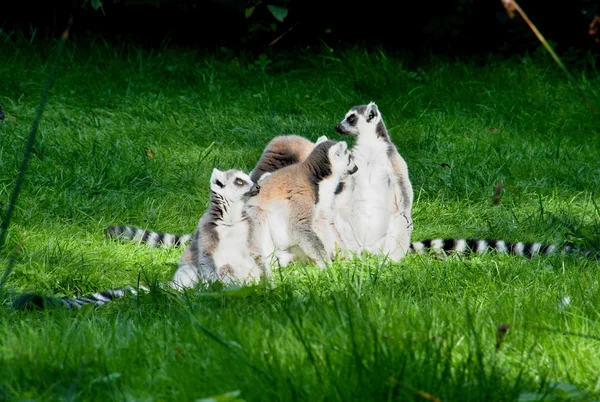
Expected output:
(368, 329)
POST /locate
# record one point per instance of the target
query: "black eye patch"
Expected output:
(351, 120)
(218, 183)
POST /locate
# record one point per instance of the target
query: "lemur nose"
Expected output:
(338, 128)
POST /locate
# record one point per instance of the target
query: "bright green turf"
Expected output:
(420, 329)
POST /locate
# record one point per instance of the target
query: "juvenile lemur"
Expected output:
(219, 250)
(294, 201)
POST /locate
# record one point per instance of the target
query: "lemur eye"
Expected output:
(239, 182)
(351, 119)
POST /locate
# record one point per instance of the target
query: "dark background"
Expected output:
(452, 27)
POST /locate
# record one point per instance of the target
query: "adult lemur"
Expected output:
(294, 207)
(220, 248)
(376, 213)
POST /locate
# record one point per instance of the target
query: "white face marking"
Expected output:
(360, 120)
(232, 184)
(342, 163)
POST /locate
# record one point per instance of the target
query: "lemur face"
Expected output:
(342, 163)
(358, 119)
(233, 184)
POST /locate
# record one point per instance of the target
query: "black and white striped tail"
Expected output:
(30, 301)
(150, 238)
(477, 246)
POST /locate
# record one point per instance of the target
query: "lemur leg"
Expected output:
(329, 235)
(403, 191)
(310, 243)
(193, 270)
(396, 242)
(283, 258)
(261, 244)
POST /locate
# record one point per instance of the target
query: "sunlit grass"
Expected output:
(366, 329)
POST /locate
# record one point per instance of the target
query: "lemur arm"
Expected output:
(403, 188)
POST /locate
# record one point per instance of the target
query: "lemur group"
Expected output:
(304, 201)
(311, 202)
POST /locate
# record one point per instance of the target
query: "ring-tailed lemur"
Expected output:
(281, 151)
(374, 210)
(220, 248)
(374, 214)
(291, 199)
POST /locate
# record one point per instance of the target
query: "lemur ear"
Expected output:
(217, 178)
(340, 148)
(321, 139)
(262, 178)
(372, 111)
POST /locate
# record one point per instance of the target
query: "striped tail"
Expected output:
(28, 301)
(150, 238)
(480, 246)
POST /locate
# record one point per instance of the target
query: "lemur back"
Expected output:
(282, 151)
(376, 216)
(284, 211)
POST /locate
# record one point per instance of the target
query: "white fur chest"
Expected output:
(233, 245)
(327, 189)
(279, 226)
(372, 198)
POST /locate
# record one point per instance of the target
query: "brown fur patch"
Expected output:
(280, 152)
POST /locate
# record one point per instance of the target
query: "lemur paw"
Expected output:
(409, 223)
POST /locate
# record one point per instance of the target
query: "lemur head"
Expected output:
(233, 184)
(360, 119)
(342, 163)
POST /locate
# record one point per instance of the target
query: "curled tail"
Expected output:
(150, 238)
(29, 301)
(479, 246)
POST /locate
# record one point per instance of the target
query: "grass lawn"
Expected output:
(130, 136)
